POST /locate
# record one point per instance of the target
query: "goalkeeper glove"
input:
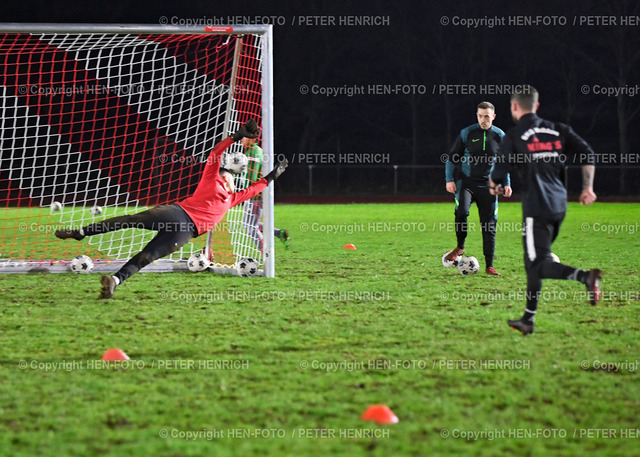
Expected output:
(277, 170)
(248, 130)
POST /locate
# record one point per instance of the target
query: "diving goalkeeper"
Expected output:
(178, 223)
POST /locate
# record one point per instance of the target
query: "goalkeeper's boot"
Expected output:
(284, 237)
(492, 271)
(108, 286)
(453, 255)
(593, 286)
(525, 327)
(64, 234)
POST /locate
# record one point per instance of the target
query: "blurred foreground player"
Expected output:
(178, 223)
(536, 149)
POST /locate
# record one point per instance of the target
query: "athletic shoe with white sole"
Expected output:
(108, 286)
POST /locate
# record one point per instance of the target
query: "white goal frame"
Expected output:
(266, 35)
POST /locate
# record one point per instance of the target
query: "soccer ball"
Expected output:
(247, 267)
(554, 257)
(56, 206)
(96, 211)
(198, 262)
(450, 263)
(468, 266)
(235, 162)
(82, 264)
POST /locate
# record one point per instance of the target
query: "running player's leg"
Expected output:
(548, 269)
(555, 270)
(537, 235)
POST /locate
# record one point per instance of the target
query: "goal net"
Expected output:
(103, 121)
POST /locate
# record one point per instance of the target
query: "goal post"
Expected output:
(105, 120)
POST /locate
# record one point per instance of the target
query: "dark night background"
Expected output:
(416, 49)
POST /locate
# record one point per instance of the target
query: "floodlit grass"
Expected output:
(238, 362)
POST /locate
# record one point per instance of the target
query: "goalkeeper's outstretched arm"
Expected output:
(257, 187)
(249, 129)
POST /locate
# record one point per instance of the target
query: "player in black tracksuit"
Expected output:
(467, 176)
(537, 149)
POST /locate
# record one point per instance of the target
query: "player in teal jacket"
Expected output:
(467, 173)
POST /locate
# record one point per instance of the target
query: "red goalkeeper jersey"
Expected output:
(210, 202)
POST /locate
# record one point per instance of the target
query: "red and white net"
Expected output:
(121, 122)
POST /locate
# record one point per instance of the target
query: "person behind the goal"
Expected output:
(178, 223)
(253, 207)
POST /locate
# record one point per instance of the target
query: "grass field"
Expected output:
(337, 331)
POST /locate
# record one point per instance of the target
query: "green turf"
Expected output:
(401, 329)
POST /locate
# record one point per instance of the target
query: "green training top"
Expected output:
(254, 167)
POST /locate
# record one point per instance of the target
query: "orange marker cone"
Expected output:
(113, 355)
(380, 414)
(349, 246)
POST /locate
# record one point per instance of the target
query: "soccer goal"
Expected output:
(98, 121)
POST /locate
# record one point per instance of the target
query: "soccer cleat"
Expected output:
(593, 286)
(64, 234)
(524, 327)
(453, 255)
(108, 286)
(284, 237)
(492, 271)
